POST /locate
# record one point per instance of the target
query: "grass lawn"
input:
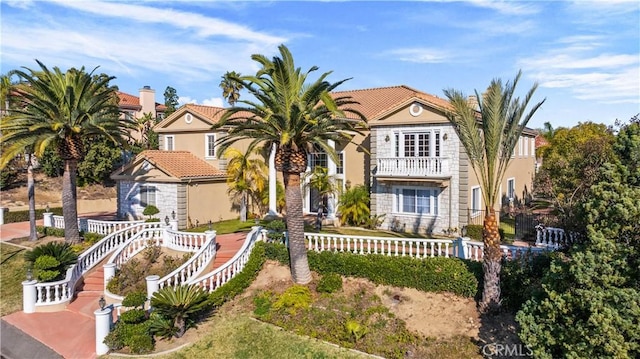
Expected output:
(235, 335)
(12, 273)
(351, 231)
(508, 225)
(228, 226)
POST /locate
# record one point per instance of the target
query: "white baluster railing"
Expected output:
(51, 293)
(184, 241)
(412, 166)
(194, 266)
(554, 237)
(475, 250)
(390, 246)
(96, 226)
(224, 273)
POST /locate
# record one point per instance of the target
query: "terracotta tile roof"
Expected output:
(376, 102)
(180, 164)
(131, 101)
(541, 141)
(209, 112)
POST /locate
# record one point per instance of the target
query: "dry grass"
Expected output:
(12, 272)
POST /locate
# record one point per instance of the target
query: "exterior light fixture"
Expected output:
(166, 220)
(386, 138)
(102, 303)
(210, 225)
(173, 214)
(46, 209)
(29, 274)
(444, 137)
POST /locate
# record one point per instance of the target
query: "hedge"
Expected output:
(430, 275)
(23, 216)
(242, 280)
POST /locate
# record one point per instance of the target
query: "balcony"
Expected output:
(413, 167)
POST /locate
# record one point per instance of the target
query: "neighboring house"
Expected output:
(409, 156)
(135, 107)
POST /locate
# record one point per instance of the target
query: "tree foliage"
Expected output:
(170, 100)
(353, 206)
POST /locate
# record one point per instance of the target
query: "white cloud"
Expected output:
(419, 55)
(213, 101)
(20, 4)
(183, 100)
(507, 7)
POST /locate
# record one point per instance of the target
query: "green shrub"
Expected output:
(141, 344)
(263, 303)
(276, 229)
(474, 231)
(521, 279)
(150, 210)
(182, 305)
(161, 326)
(45, 268)
(152, 253)
(50, 231)
(355, 330)
(329, 283)
(294, 298)
(242, 280)
(430, 274)
(354, 206)
(23, 216)
(8, 176)
(151, 220)
(133, 316)
(135, 299)
(51, 260)
(91, 238)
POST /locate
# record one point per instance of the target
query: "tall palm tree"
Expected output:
(59, 109)
(295, 116)
(320, 180)
(246, 177)
(502, 119)
(230, 87)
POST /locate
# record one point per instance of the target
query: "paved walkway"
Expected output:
(71, 333)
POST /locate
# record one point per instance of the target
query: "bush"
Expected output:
(50, 231)
(61, 253)
(46, 268)
(430, 274)
(521, 279)
(91, 238)
(23, 216)
(133, 316)
(182, 305)
(132, 336)
(294, 298)
(474, 231)
(329, 283)
(150, 210)
(8, 176)
(276, 229)
(354, 206)
(135, 300)
(161, 326)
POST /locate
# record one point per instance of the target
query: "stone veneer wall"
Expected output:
(129, 199)
(382, 192)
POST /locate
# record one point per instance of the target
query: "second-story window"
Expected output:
(340, 164)
(210, 151)
(168, 143)
(317, 159)
(418, 144)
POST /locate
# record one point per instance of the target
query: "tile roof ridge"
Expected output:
(375, 88)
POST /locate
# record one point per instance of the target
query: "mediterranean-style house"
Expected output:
(135, 107)
(410, 157)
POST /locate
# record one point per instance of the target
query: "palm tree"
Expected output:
(230, 87)
(501, 121)
(320, 180)
(60, 109)
(296, 116)
(246, 177)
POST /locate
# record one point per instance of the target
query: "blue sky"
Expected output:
(585, 55)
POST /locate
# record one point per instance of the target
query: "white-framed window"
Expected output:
(340, 164)
(159, 116)
(526, 147)
(318, 159)
(533, 147)
(147, 195)
(417, 144)
(169, 144)
(416, 200)
(520, 147)
(210, 145)
(476, 200)
(511, 188)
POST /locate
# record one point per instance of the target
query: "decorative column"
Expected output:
(211, 235)
(461, 248)
(273, 211)
(109, 272)
(29, 296)
(331, 171)
(152, 285)
(264, 235)
(103, 326)
(48, 219)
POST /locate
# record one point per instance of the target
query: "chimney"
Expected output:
(473, 102)
(148, 101)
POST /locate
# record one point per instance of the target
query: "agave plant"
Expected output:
(62, 252)
(181, 305)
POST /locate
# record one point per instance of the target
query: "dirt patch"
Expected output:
(49, 190)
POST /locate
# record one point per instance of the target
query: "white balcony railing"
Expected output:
(413, 167)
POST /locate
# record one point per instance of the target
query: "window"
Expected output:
(526, 146)
(520, 147)
(147, 196)
(533, 147)
(159, 116)
(416, 200)
(476, 201)
(417, 144)
(340, 164)
(511, 188)
(210, 145)
(317, 159)
(168, 143)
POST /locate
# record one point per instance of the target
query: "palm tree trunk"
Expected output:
(181, 324)
(491, 264)
(31, 191)
(70, 202)
(295, 226)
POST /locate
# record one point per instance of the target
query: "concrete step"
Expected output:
(89, 293)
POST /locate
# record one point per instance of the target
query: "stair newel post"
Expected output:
(103, 326)
(153, 284)
(109, 272)
(29, 295)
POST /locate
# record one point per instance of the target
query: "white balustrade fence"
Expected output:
(195, 265)
(96, 226)
(51, 293)
(554, 237)
(224, 273)
(473, 250)
(412, 166)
